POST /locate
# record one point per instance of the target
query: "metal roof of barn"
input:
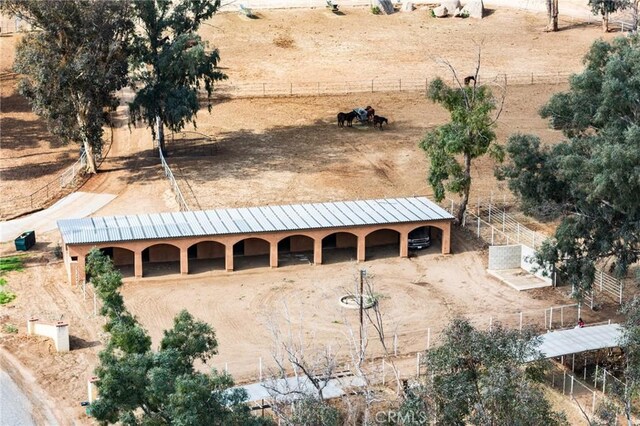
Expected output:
(295, 217)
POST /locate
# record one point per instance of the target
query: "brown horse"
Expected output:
(379, 120)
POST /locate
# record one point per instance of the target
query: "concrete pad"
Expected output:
(518, 278)
(73, 206)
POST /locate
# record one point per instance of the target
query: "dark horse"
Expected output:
(378, 120)
(346, 116)
(370, 113)
(468, 79)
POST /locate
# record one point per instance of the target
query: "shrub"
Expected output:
(9, 328)
(376, 10)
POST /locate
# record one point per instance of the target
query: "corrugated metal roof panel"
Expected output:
(250, 220)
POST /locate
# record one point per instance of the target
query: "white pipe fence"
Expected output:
(174, 185)
(496, 227)
(406, 84)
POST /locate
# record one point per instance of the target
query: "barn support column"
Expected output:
(228, 257)
(81, 267)
(317, 251)
(446, 238)
(184, 261)
(404, 244)
(273, 254)
(361, 255)
(137, 264)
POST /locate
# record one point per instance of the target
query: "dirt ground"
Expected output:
(287, 150)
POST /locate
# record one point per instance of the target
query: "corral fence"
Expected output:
(589, 386)
(342, 87)
(406, 344)
(174, 184)
(52, 190)
(490, 221)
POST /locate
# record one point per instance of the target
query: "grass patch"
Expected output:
(6, 297)
(12, 263)
(9, 328)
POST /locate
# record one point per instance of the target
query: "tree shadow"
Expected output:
(26, 134)
(15, 102)
(246, 154)
(32, 171)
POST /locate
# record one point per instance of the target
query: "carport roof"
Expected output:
(578, 340)
(295, 217)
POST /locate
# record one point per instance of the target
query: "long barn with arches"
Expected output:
(185, 242)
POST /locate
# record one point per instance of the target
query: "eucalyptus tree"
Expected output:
(590, 180)
(72, 63)
(171, 63)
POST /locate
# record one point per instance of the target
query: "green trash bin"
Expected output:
(25, 241)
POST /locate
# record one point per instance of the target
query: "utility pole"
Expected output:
(363, 273)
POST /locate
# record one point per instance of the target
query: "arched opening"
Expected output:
(425, 240)
(122, 259)
(295, 250)
(160, 259)
(206, 256)
(339, 247)
(382, 244)
(251, 253)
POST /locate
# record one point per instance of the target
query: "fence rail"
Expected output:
(174, 185)
(494, 225)
(407, 84)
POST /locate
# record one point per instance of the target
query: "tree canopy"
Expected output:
(140, 386)
(607, 7)
(72, 65)
(468, 135)
(171, 63)
(481, 378)
(591, 180)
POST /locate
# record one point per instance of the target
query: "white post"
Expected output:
(562, 316)
(604, 380)
(551, 318)
(491, 323)
(395, 344)
(226, 368)
(260, 368)
(621, 291)
(418, 364)
(520, 320)
(595, 380)
(579, 311)
(571, 386)
(573, 363)
(428, 338)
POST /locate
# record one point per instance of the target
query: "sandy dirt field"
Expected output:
(283, 150)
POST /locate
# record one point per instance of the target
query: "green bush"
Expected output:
(6, 297)
(9, 328)
(375, 10)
